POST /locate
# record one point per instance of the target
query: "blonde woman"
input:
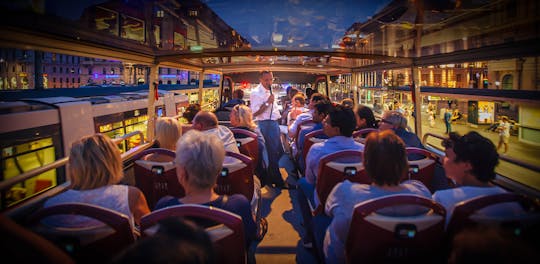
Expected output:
(242, 118)
(168, 131)
(95, 171)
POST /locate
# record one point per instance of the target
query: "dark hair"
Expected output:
(343, 117)
(263, 73)
(315, 97)
(191, 111)
(479, 151)
(365, 112)
(238, 93)
(347, 102)
(177, 241)
(385, 158)
(323, 107)
(309, 92)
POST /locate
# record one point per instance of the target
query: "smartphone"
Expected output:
(350, 171)
(158, 170)
(405, 231)
(224, 172)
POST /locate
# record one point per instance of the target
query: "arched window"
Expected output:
(507, 82)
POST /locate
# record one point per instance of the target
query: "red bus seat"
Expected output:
(335, 168)
(236, 176)
(377, 238)
(466, 214)
(306, 124)
(25, 246)
(360, 135)
(310, 139)
(422, 170)
(86, 244)
(227, 235)
(247, 143)
(156, 179)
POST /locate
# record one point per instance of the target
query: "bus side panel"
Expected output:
(24, 120)
(77, 121)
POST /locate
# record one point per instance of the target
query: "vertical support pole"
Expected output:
(328, 85)
(152, 89)
(38, 69)
(417, 100)
(415, 87)
(220, 95)
(354, 87)
(201, 85)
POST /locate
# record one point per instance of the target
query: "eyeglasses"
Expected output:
(385, 121)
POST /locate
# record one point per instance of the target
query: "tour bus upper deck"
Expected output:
(467, 49)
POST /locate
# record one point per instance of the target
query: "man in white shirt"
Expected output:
(266, 115)
(207, 123)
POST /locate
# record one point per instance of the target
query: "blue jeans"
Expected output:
(270, 131)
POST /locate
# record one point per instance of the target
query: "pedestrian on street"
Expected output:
(448, 120)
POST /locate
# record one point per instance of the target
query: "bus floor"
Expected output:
(282, 243)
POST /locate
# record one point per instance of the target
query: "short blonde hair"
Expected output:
(244, 115)
(201, 156)
(94, 161)
(168, 131)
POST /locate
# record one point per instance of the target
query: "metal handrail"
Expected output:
(520, 163)
(5, 185)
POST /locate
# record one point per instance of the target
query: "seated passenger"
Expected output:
(306, 115)
(207, 123)
(338, 126)
(198, 161)
(395, 121)
(298, 103)
(470, 162)
(347, 102)
(238, 98)
(177, 240)
(95, 171)
(365, 118)
(168, 131)
(190, 112)
(385, 162)
(320, 111)
(286, 102)
(241, 117)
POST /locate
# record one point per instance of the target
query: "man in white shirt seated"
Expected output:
(207, 123)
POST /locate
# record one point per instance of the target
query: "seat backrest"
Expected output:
(86, 244)
(359, 135)
(227, 235)
(335, 168)
(422, 170)
(156, 179)
(247, 143)
(466, 214)
(377, 238)
(25, 246)
(310, 139)
(236, 176)
(306, 124)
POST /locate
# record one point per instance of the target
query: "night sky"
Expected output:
(319, 23)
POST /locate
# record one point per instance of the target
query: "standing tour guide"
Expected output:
(265, 114)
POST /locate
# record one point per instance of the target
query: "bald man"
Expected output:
(207, 123)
